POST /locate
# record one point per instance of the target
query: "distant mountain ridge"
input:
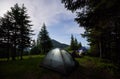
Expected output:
(57, 44)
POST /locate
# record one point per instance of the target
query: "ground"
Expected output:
(29, 68)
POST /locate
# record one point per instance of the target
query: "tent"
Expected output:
(59, 60)
(82, 50)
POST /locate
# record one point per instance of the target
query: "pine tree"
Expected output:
(5, 35)
(72, 43)
(21, 28)
(44, 41)
(76, 44)
(79, 45)
(25, 30)
(16, 29)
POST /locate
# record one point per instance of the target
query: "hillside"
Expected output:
(57, 44)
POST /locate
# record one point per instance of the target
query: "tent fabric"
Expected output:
(59, 60)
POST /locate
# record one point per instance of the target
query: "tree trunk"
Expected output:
(100, 49)
(21, 54)
(14, 53)
(8, 54)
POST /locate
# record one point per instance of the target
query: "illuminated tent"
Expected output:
(82, 51)
(59, 60)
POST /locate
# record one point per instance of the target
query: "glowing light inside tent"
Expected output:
(56, 51)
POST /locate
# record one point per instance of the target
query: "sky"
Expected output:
(58, 20)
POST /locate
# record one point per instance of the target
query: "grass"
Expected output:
(90, 68)
(97, 68)
(22, 69)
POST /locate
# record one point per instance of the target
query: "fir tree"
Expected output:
(16, 30)
(79, 45)
(44, 41)
(76, 44)
(22, 28)
(72, 43)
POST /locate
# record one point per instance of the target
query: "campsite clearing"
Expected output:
(90, 68)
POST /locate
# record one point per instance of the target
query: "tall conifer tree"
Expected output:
(44, 41)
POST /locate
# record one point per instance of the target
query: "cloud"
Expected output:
(40, 11)
(73, 28)
(50, 12)
(76, 30)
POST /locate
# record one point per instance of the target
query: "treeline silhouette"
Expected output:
(15, 31)
(101, 20)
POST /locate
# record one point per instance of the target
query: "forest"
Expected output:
(101, 20)
(23, 55)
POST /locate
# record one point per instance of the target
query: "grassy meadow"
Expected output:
(29, 68)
